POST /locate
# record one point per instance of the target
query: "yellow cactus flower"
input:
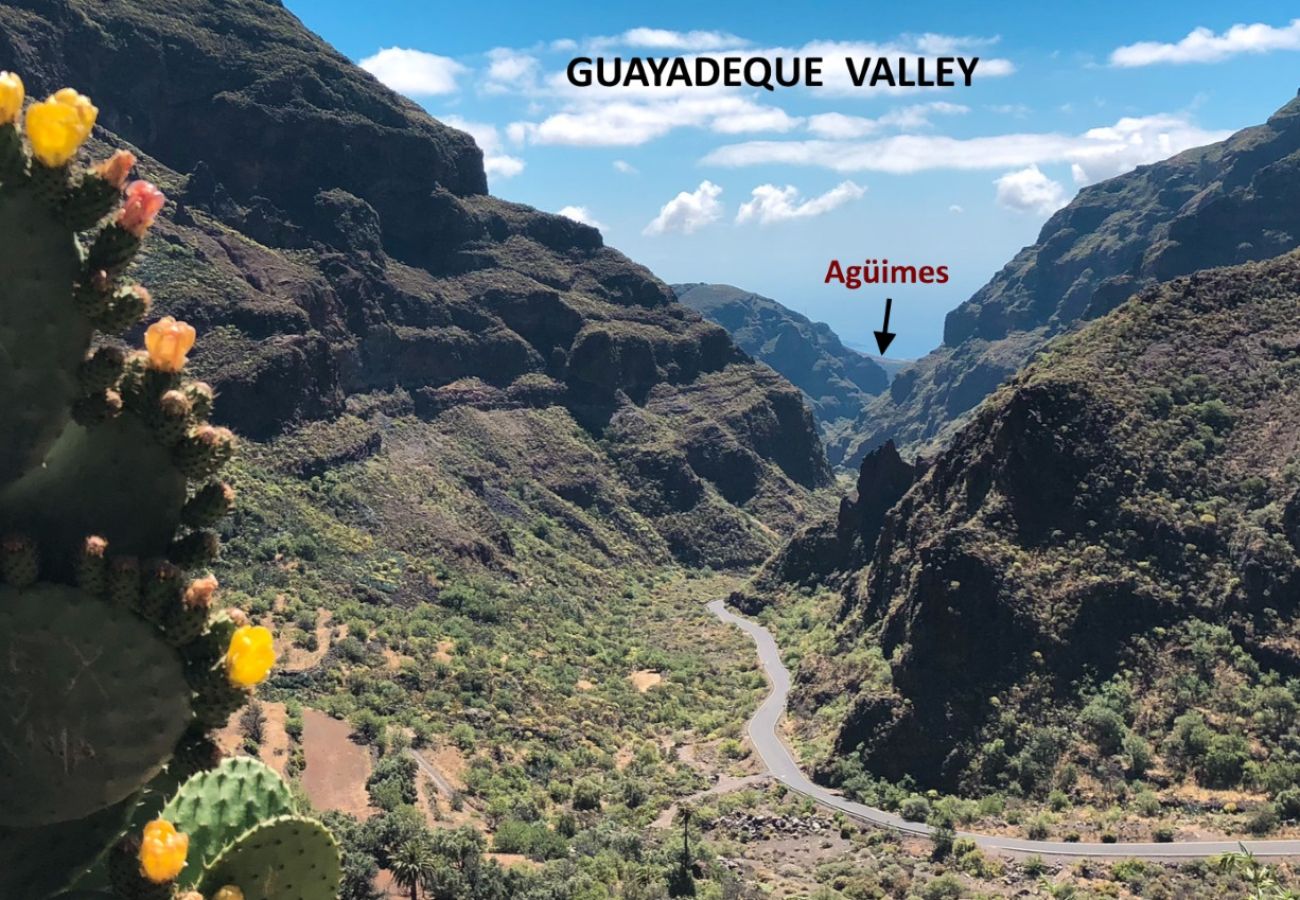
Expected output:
(162, 851)
(58, 126)
(11, 97)
(250, 656)
(168, 341)
(229, 892)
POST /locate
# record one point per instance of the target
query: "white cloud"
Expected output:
(662, 39)
(624, 123)
(955, 208)
(581, 214)
(414, 72)
(495, 162)
(622, 165)
(1029, 190)
(511, 71)
(774, 204)
(838, 126)
(945, 44)
(1204, 46)
(1099, 153)
(688, 211)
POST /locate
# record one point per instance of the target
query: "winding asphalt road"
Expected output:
(781, 765)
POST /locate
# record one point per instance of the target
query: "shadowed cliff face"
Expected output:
(1137, 477)
(334, 244)
(836, 380)
(1226, 203)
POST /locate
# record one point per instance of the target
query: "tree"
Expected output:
(412, 864)
(252, 722)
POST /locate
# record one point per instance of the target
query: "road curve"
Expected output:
(781, 765)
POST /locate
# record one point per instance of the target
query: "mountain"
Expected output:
(345, 266)
(1097, 579)
(836, 380)
(1225, 203)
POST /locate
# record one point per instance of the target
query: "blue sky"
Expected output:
(761, 189)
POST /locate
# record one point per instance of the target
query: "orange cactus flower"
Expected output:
(251, 655)
(168, 342)
(115, 169)
(200, 592)
(162, 851)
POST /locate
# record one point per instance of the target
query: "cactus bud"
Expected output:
(205, 450)
(237, 616)
(195, 549)
(201, 398)
(97, 407)
(115, 169)
(124, 582)
(168, 341)
(250, 656)
(18, 563)
(162, 851)
(162, 588)
(92, 567)
(209, 506)
(58, 126)
(185, 620)
(229, 892)
(143, 203)
(101, 369)
(200, 593)
(11, 97)
(173, 417)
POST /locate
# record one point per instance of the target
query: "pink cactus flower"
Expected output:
(143, 203)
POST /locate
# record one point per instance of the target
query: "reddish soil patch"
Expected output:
(275, 740)
(644, 679)
(337, 767)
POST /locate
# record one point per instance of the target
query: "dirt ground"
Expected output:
(644, 679)
(275, 740)
(337, 767)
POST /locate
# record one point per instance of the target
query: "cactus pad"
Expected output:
(92, 703)
(42, 339)
(289, 858)
(110, 480)
(40, 861)
(215, 808)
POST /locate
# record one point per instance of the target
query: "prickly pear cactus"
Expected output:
(117, 662)
(215, 808)
(289, 858)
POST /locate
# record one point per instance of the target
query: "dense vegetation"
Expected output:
(1089, 598)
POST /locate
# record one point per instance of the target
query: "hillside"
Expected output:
(836, 380)
(1094, 586)
(399, 288)
(1222, 204)
(479, 447)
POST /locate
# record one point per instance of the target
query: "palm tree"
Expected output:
(412, 863)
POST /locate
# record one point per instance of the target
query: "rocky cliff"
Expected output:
(837, 381)
(1226, 203)
(338, 251)
(1115, 530)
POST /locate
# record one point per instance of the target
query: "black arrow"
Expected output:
(884, 337)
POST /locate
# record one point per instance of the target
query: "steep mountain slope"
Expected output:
(1226, 203)
(1101, 573)
(836, 380)
(338, 252)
